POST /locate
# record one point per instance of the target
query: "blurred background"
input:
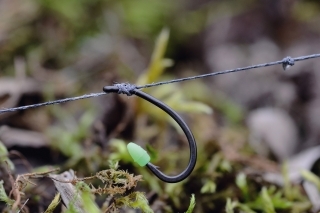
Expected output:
(252, 128)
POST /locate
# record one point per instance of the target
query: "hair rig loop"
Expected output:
(134, 150)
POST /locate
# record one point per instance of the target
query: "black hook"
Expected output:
(129, 90)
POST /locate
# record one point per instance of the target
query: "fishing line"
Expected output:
(52, 102)
(287, 62)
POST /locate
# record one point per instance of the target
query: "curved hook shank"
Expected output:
(192, 144)
(187, 132)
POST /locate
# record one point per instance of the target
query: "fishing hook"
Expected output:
(129, 90)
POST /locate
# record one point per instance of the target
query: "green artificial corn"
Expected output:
(138, 154)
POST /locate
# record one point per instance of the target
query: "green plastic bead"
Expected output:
(138, 154)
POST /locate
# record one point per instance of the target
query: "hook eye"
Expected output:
(130, 90)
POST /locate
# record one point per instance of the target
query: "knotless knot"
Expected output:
(287, 62)
(126, 88)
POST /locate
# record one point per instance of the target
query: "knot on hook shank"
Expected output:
(125, 88)
(287, 62)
